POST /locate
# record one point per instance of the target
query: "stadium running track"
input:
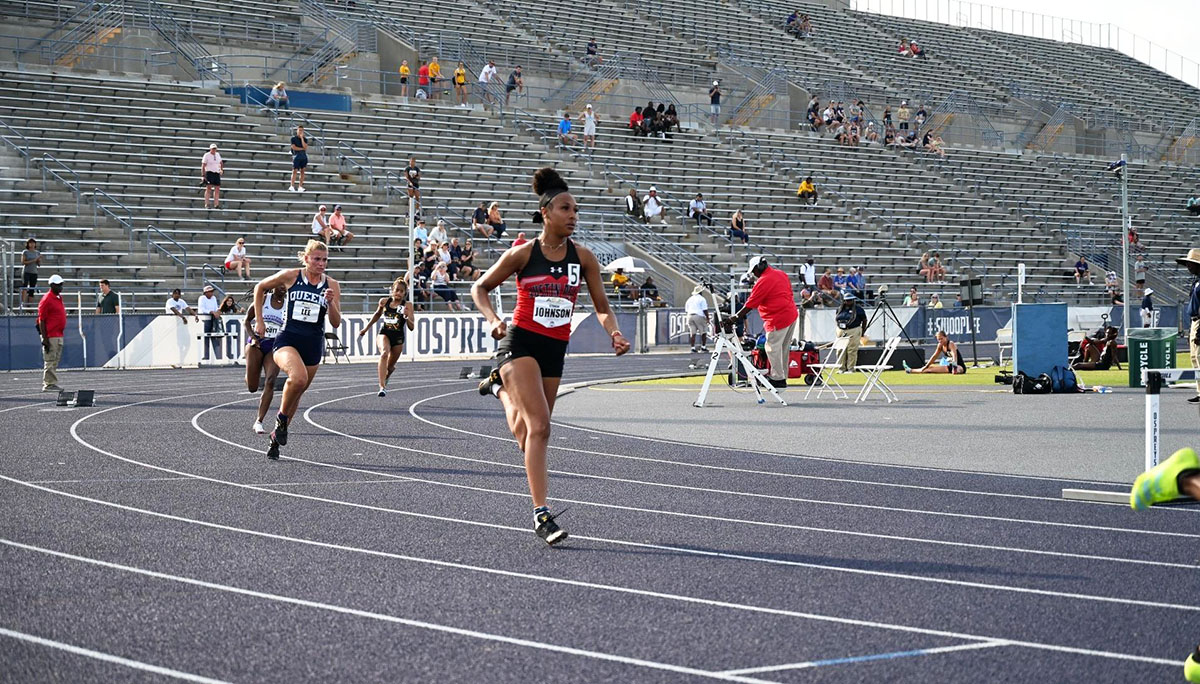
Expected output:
(148, 539)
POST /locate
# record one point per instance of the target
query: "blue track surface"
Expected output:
(393, 543)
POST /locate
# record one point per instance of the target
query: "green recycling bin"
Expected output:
(1150, 348)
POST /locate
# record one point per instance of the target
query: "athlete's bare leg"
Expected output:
(528, 400)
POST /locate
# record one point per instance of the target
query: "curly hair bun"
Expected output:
(547, 180)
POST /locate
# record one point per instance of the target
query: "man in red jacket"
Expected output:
(772, 296)
(51, 322)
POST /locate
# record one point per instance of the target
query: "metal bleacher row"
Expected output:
(138, 140)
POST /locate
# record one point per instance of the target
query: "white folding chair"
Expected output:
(826, 372)
(873, 373)
(1003, 341)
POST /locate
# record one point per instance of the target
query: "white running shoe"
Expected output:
(383, 391)
(258, 428)
(291, 188)
(300, 189)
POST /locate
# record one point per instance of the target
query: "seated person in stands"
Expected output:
(853, 133)
(1082, 270)
(792, 23)
(565, 136)
(856, 282)
(916, 50)
(340, 234)
(671, 121)
(926, 139)
(814, 120)
(904, 50)
(229, 306)
(912, 298)
(421, 293)
(807, 192)
(637, 122)
(649, 290)
(479, 220)
(826, 292)
(418, 249)
(937, 146)
(698, 210)
(278, 97)
(495, 220)
(840, 280)
(737, 227)
(806, 28)
(889, 136)
(633, 205)
(872, 132)
(809, 299)
(439, 281)
(420, 232)
(620, 283)
(651, 120)
(910, 141)
(1193, 205)
(1111, 285)
(924, 269)
(936, 268)
(946, 357)
(1098, 352)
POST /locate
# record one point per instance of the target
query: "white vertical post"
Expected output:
(411, 350)
(1020, 282)
(79, 319)
(1153, 387)
(120, 333)
(1125, 226)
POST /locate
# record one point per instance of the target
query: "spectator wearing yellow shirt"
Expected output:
(405, 72)
(460, 84)
(620, 282)
(435, 72)
(807, 192)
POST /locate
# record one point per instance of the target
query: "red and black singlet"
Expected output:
(546, 293)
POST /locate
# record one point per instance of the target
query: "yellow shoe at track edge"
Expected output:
(1160, 484)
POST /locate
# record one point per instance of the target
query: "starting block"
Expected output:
(1153, 379)
(77, 399)
(466, 373)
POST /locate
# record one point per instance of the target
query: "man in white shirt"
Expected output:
(696, 308)
(698, 210)
(211, 168)
(208, 307)
(485, 79)
(653, 207)
(438, 234)
(177, 306)
(809, 273)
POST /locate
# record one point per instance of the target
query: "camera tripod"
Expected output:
(727, 342)
(883, 310)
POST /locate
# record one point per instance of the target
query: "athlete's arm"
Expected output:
(333, 301)
(936, 353)
(283, 278)
(604, 314)
(408, 315)
(375, 317)
(247, 323)
(512, 261)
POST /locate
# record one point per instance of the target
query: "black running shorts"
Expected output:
(547, 351)
(395, 337)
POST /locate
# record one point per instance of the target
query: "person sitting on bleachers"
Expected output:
(337, 226)
(840, 281)
(237, 261)
(620, 284)
(697, 209)
(920, 116)
(633, 206)
(872, 133)
(912, 299)
(1193, 205)
(565, 136)
(1082, 270)
(792, 23)
(466, 261)
(637, 122)
(278, 98)
(889, 136)
(649, 291)
(807, 192)
(479, 220)
(806, 28)
(904, 50)
(916, 50)
(937, 146)
(737, 227)
(320, 225)
(438, 234)
(418, 250)
(420, 232)
(521, 239)
(936, 268)
(495, 220)
(650, 120)
(851, 135)
(671, 121)
(856, 282)
(654, 207)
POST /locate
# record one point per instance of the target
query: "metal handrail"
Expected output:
(76, 187)
(24, 151)
(367, 166)
(152, 245)
(220, 278)
(126, 221)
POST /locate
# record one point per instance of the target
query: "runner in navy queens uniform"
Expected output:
(311, 295)
(260, 358)
(550, 270)
(397, 314)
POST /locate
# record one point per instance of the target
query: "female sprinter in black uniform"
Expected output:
(259, 359)
(301, 342)
(549, 273)
(397, 313)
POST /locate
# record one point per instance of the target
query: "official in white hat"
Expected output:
(1191, 261)
(51, 325)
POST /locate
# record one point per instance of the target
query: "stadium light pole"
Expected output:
(1125, 225)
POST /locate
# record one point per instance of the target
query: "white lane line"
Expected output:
(382, 480)
(817, 617)
(119, 479)
(1055, 499)
(605, 540)
(868, 658)
(382, 617)
(658, 511)
(107, 657)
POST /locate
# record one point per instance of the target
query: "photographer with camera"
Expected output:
(852, 324)
(772, 296)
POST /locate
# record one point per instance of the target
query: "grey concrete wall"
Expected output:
(392, 51)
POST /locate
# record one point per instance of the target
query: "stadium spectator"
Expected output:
(887, 117)
(807, 192)
(714, 99)
(809, 298)
(924, 269)
(486, 75)
(916, 50)
(912, 299)
(1193, 205)
(455, 250)
(827, 293)
(772, 296)
(698, 210)
(650, 119)
(337, 226)
(210, 310)
(806, 27)
(1082, 270)
(649, 290)
(439, 236)
(935, 301)
(460, 84)
(495, 220)
(920, 116)
(520, 239)
(937, 146)
(904, 50)
(1139, 274)
(872, 134)
(670, 122)
(620, 283)
(737, 227)
(107, 302)
(1148, 309)
(278, 99)
(299, 147)
(237, 261)
(840, 280)
(633, 206)
(1132, 236)
(936, 270)
(637, 122)
(653, 207)
(479, 220)
(792, 23)
(466, 262)
(593, 53)
(412, 177)
(696, 309)
(320, 225)
(589, 126)
(420, 233)
(439, 282)
(856, 282)
(851, 322)
(405, 72)
(435, 74)
(902, 115)
(178, 306)
(211, 168)
(889, 136)
(31, 259)
(422, 80)
(229, 306)
(1111, 285)
(515, 82)
(565, 136)
(808, 273)
(51, 324)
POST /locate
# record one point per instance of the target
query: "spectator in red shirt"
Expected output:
(636, 122)
(772, 296)
(520, 240)
(51, 322)
(423, 80)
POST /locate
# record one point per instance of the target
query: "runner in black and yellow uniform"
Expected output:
(397, 314)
